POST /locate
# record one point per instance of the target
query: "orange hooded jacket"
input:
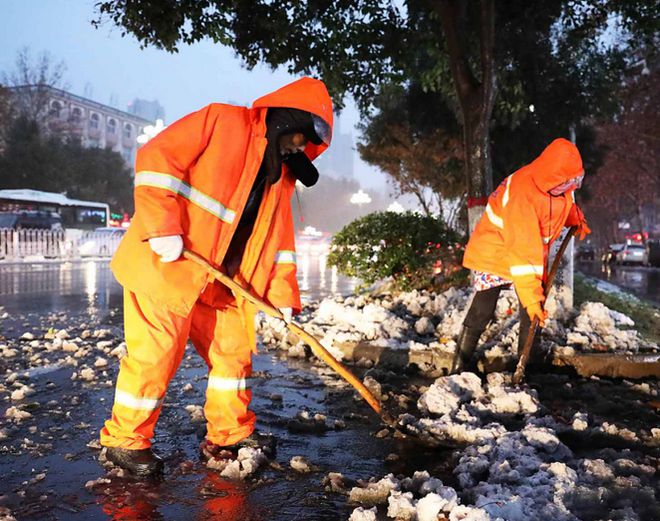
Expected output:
(522, 219)
(193, 179)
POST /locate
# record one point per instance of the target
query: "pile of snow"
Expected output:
(406, 321)
(526, 475)
(519, 475)
(598, 327)
(421, 498)
(459, 409)
(421, 320)
(531, 476)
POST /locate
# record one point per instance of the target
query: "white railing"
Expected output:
(17, 245)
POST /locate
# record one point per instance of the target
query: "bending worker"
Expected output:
(218, 182)
(510, 243)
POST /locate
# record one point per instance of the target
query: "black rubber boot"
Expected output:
(465, 347)
(256, 440)
(142, 463)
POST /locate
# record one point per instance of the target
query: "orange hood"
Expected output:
(305, 94)
(559, 162)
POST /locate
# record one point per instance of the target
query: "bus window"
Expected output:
(95, 216)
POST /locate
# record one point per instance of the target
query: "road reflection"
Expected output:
(58, 286)
(642, 281)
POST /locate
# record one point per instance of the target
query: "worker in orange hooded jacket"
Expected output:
(218, 182)
(510, 243)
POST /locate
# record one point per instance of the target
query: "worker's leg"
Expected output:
(221, 339)
(478, 316)
(155, 342)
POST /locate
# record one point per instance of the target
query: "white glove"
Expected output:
(169, 248)
(287, 313)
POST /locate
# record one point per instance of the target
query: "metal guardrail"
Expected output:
(27, 244)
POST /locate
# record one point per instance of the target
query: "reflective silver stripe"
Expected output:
(171, 183)
(285, 257)
(505, 197)
(526, 269)
(497, 221)
(220, 383)
(135, 402)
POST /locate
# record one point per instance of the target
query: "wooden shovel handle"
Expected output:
(519, 374)
(309, 339)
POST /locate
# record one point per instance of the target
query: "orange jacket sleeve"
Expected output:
(575, 216)
(525, 250)
(282, 291)
(162, 172)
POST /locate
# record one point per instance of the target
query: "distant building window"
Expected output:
(94, 121)
(127, 154)
(55, 109)
(112, 126)
(128, 130)
(76, 114)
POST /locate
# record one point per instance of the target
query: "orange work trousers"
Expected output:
(156, 340)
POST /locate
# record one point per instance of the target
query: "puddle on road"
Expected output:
(70, 415)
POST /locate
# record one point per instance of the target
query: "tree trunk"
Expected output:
(478, 166)
(476, 97)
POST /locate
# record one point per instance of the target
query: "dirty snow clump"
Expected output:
(247, 462)
(363, 514)
(417, 498)
(374, 492)
(520, 476)
(459, 409)
(598, 326)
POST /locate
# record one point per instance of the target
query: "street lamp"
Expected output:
(360, 197)
(396, 208)
(151, 131)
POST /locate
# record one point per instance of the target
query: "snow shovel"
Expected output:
(527, 348)
(316, 346)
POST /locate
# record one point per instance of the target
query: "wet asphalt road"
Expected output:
(643, 281)
(45, 461)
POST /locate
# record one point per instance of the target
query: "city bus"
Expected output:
(74, 214)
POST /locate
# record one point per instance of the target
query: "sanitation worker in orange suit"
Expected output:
(510, 244)
(218, 182)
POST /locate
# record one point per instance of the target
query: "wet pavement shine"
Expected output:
(643, 281)
(47, 460)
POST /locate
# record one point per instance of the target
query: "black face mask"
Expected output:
(302, 168)
(279, 122)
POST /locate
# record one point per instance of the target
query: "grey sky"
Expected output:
(118, 70)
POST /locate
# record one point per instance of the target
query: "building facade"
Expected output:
(95, 124)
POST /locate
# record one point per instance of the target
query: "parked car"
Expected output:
(30, 220)
(609, 257)
(101, 242)
(632, 254)
(585, 253)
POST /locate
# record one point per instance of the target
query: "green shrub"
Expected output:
(409, 248)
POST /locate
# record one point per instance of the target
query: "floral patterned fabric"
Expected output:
(483, 281)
